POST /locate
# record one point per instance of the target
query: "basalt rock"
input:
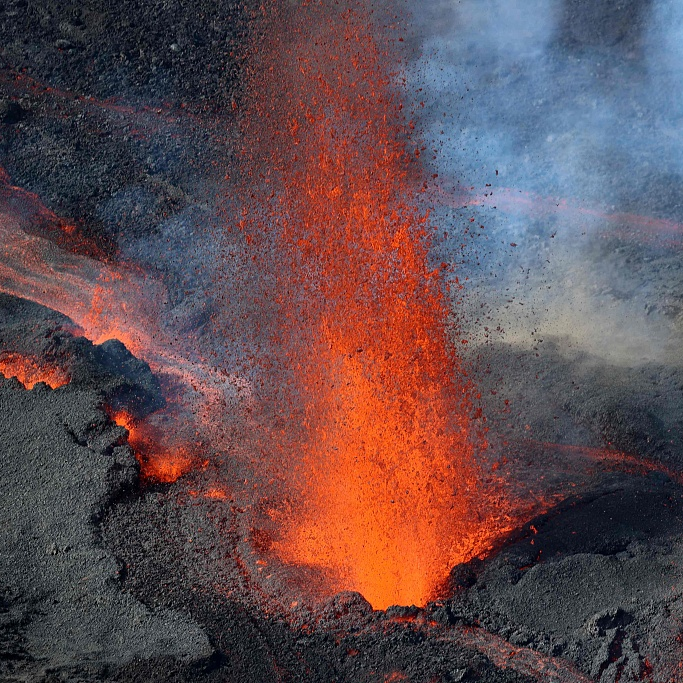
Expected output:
(122, 381)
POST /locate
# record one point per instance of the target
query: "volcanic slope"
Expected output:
(62, 462)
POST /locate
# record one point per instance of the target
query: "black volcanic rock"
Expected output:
(10, 112)
(62, 606)
(122, 381)
(169, 51)
(124, 104)
(601, 568)
(573, 397)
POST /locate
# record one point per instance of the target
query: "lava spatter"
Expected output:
(160, 460)
(30, 371)
(382, 465)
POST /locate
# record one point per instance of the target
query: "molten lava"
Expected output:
(370, 447)
(157, 463)
(29, 371)
(384, 470)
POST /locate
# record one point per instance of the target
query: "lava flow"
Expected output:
(625, 226)
(107, 301)
(30, 371)
(385, 468)
(157, 463)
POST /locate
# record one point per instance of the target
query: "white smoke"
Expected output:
(573, 100)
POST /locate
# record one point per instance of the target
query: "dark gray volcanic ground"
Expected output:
(120, 118)
(103, 580)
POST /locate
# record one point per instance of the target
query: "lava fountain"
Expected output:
(359, 437)
(383, 471)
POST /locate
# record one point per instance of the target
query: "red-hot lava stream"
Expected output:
(626, 226)
(29, 371)
(387, 488)
(111, 301)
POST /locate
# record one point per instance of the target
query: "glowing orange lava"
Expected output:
(385, 468)
(165, 465)
(29, 371)
(111, 301)
(106, 301)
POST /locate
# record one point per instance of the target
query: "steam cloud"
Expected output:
(552, 100)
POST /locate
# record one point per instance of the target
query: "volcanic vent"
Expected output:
(273, 410)
(381, 471)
